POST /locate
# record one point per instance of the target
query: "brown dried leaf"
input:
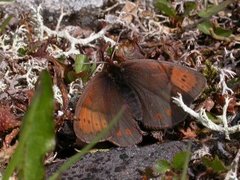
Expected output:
(219, 100)
(9, 137)
(166, 49)
(188, 133)
(7, 119)
(128, 50)
(128, 12)
(208, 104)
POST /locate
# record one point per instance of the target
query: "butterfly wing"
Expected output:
(155, 83)
(98, 105)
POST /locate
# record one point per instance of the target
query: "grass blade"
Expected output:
(36, 135)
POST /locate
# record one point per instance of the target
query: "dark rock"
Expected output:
(119, 163)
(80, 12)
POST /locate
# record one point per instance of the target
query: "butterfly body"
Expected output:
(145, 87)
(117, 74)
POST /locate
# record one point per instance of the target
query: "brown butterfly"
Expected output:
(145, 86)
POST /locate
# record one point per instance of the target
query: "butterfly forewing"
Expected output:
(98, 105)
(155, 83)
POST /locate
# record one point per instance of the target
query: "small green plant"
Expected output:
(82, 68)
(211, 74)
(4, 24)
(215, 164)
(211, 29)
(80, 64)
(204, 24)
(164, 6)
(177, 166)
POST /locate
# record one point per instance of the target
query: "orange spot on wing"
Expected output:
(128, 132)
(119, 133)
(168, 112)
(91, 121)
(157, 116)
(183, 79)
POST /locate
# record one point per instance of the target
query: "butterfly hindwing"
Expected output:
(98, 105)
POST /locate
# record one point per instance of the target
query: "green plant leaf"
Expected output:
(215, 164)
(210, 72)
(222, 32)
(36, 134)
(213, 118)
(234, 82)
(216, 32)
(180, 159)
(70, 76)
(80, 63)
(162, 166)
(110, 51)
(214, 9)
(188, 7)
(205, 27)
(22, 52)
(165, 7)
(185, 165)
(82, 68)
(93, 67)
(5, 23)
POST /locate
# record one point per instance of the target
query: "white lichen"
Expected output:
(232, 173)
(3, 86)
(33, 67)
(224, 75)
(202, 117)
(75, 87)
(37, 21)
(58, 95)
(11, 42)
(203, 151)
(44, 30)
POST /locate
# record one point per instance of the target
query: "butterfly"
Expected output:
(146, 88)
